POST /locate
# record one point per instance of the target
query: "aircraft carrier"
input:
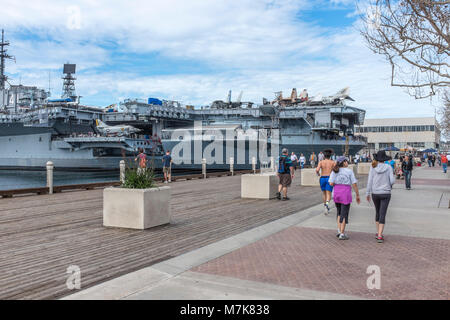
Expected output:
(35, 129)
(298, 123)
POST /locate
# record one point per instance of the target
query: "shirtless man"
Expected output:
(323, 170)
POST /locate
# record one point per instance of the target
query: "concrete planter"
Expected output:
(364, 167)
(136, 208)
(259, 186)
(309, 178)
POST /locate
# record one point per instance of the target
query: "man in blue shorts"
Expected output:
(323, 170)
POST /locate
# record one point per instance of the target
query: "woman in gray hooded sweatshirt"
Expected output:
(379, 186)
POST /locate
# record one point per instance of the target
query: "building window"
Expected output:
(416, 144)
(396, 129)
(384, 145)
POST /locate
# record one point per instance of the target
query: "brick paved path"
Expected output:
(435, 182)
(310, 258)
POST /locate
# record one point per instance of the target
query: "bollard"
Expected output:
(204, 168)
(50, 177)
(232, 166)
(272, 164)
(122, 171)
(254, 165)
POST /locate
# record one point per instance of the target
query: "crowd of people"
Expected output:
(336, 181)
(300, 161)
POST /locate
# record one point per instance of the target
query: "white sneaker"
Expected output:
(343, 236)
(170, 180)
(327, 209)
(165, 181)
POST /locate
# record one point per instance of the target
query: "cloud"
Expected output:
(236, 33)
(258, 46)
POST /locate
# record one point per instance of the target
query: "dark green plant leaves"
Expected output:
(139, 178)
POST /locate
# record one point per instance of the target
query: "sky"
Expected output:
(196, 51)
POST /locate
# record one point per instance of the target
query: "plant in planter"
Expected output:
(138, 179)
(138, 203)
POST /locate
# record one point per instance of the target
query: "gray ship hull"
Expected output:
(33, 151)
(69, 164)
(306, 149)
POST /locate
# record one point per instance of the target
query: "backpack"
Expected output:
(283, 168)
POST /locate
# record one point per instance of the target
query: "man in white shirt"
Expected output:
(321, 156)
(302, 160)
(294, 160)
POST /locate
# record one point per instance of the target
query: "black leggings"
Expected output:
(342, 211)
(381, 202)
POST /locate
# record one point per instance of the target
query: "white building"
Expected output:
(418, 133)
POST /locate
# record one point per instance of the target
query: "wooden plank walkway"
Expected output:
(41, 236)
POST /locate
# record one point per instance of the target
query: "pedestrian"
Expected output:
(323, 170)
(391, 163)
(398, 169)
(321, 156)
(294, 160)
(167, 167)
(142, 157)
(444, 162)
(302, 160)
(342, 179)
(433, 159)
(285, 174)
(407, 167)
(429, 160)
(379, 186)
(357, 157)
(312, 160)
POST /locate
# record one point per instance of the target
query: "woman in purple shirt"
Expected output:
(342, 179)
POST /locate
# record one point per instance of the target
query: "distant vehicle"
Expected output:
(119, 130)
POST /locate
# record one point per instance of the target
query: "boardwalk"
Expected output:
(41, 236)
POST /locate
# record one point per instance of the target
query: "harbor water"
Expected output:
(19, 179)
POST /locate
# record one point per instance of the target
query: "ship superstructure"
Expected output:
(302, 125)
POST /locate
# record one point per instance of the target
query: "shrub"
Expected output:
(139, 179)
